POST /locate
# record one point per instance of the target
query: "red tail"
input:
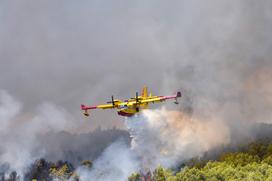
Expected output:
(85, 109)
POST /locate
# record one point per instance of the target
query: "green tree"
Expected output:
(134, 177)
(161, 174)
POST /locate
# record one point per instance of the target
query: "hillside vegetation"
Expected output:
(250, 162)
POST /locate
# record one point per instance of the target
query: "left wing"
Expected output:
(102, 106)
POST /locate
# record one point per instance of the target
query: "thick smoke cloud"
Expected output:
(71, 53)
(19, 139)
(159, 137)
(48, 134)
(164, 137)
(112, 166)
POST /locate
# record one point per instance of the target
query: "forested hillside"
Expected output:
(250, 162)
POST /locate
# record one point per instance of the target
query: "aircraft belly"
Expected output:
(126, 112)
(121, 113)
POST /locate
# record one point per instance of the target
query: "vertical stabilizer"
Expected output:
(144, 95)
(145, 92)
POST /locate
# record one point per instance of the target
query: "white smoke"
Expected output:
(18, 133)
(9, 108)
(116, 163)
(159, 137)
(163, 137)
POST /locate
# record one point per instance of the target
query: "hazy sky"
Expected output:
(70, 52)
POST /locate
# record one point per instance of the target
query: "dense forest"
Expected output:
(251, 160)
(248, 162)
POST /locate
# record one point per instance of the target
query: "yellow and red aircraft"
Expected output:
(133, 105)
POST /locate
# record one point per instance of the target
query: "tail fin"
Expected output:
(85, 110)
(83, 107)
(145, 92)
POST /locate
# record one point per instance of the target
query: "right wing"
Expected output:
(160, 98)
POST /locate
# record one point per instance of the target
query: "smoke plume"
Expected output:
(19, 131)
(49, 133)
(163, 137)
(159, 137)
(57, 55)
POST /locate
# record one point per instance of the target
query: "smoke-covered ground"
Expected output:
(159, 137)
(47, 135)
(168, 138)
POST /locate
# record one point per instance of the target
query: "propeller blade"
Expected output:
(137, 99)
(112, 100)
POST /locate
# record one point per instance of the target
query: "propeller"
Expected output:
(137, 98)
(137, 101)
(112, 101)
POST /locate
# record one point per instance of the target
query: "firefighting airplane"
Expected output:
(133, 105)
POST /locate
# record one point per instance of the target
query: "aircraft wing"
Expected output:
(160, 98)
(153, 100)
(102, 106)
(105, 106)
